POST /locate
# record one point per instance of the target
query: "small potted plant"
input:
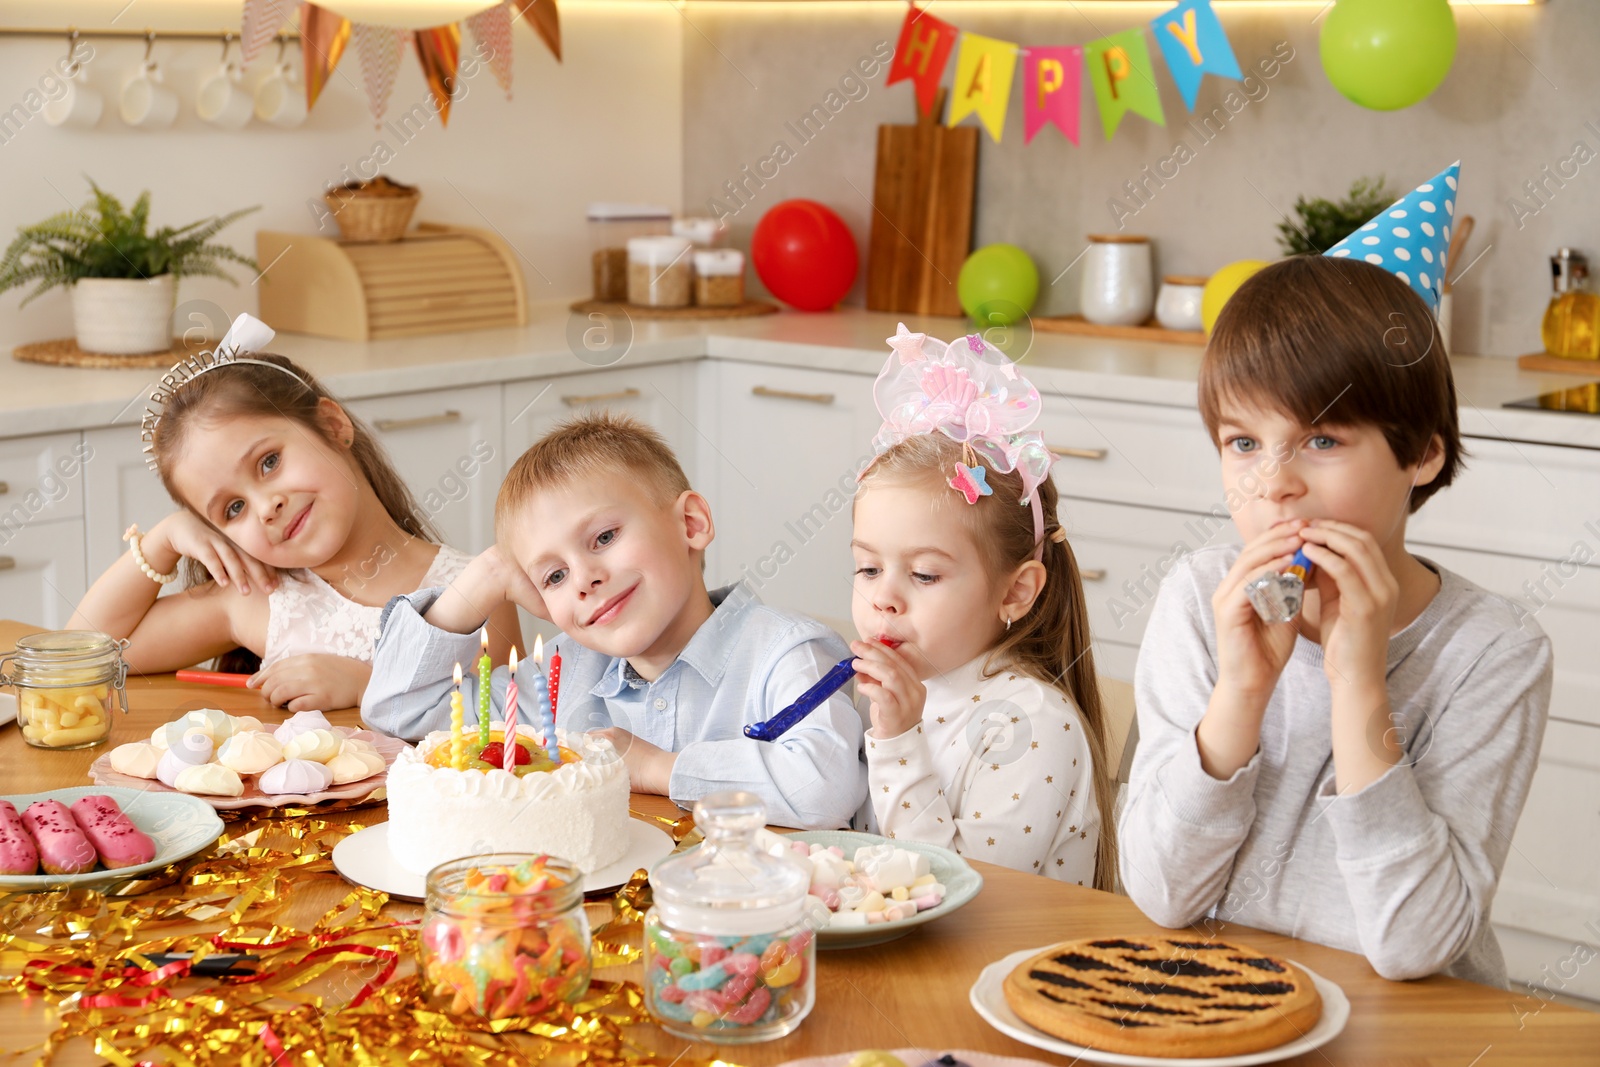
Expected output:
(123, 279)
(1321, 223)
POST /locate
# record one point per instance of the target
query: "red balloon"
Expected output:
(804, 254)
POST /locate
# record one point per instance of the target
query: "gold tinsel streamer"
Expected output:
(83, 949)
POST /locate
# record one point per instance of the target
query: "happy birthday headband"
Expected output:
(247, 334)
(971, 392)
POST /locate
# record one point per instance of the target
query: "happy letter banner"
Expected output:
(1193, 43)
(921, 53)
(1124, 79)
(983, 81)
(1050, 80)
(1190, 36)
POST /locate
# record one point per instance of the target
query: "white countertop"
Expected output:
(37, 399)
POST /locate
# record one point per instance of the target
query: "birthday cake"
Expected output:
(577, 810)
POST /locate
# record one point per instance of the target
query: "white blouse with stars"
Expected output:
(999, 769)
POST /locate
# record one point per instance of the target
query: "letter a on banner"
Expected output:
(1050, 81)
(984, 67)
(1123, 78)
(1193, 44)
(921, 53)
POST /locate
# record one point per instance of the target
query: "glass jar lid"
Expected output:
(65, 657)
(729, 886)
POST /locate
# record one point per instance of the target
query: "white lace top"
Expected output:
(307, 615)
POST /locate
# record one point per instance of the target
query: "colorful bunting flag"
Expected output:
(261, 21)
(323, 36)
(491, 28)
(545, 20)
(1050, 81)
(439, 52)
(984, 67)
(1193, 43)
(921, 53)
(378, 48)
(1123, 78)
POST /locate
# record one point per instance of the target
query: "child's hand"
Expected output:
(1358, 594)
(885, 676)
(313, 682)
(183, 533)
(1251, 653)
(491, 579)
(649, 767)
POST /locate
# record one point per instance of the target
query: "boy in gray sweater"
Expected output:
(1352, 777)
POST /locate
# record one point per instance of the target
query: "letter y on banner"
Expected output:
(1193, 43)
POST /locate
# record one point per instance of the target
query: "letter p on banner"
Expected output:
(1051, 78)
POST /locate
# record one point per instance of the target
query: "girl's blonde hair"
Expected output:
(1051, 642)
(245, 390)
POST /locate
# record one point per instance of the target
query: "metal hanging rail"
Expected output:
(141, 34)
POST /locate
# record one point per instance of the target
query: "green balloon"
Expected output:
(1388, 54)
(998, 285)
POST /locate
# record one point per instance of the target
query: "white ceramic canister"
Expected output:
(1117, 288)
(1178, 303)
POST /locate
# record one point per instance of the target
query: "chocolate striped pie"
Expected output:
(1164, 996)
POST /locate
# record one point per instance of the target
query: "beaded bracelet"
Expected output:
(133, 537)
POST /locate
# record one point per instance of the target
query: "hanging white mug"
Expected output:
(221, 101)
(280, 98)
(145, 101)
(78, 105)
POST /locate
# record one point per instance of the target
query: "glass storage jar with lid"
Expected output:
(728, 953)
(658, 271)
(65, 681)
(611, 225)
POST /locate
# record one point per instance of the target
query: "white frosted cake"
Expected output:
(577, 811)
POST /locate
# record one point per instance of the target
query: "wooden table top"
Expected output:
(913, 992)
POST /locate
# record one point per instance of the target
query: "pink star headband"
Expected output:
(971, 392)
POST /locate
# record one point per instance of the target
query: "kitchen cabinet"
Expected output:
(662, 396)
(448, 445)
(785, 445)
(121, 490)
(41, 572)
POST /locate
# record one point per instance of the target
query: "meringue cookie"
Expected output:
(247, 724)
(319, 746)
(250, 752)
(299, 723)
(159, 737)
(138, 758)
(354, 764)
(295, 776)
(211, 779)
(217, 725)
(356, 744)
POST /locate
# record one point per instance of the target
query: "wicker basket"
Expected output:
(371, 218)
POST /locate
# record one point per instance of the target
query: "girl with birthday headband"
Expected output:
(293, 527)
(987, 733)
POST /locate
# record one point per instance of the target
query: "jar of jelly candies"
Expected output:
(728, 954)
(504, 935)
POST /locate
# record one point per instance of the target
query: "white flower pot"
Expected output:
(124, 316)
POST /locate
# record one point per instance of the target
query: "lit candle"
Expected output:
(542, 712)
(555, 684)
(509, 759)
(484, 667)
(458, 746)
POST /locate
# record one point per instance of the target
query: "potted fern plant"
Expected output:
(1322, 223)
(123, 278)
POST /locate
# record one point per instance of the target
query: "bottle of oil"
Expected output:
(1571, 327)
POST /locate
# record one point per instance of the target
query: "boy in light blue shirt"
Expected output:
(598, 530)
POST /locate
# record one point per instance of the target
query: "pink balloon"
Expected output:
(804, 254)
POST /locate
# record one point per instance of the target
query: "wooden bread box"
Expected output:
(435, 279)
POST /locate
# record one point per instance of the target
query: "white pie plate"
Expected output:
(364, 858)
(8, 708)
(179, 824)
(989, 999)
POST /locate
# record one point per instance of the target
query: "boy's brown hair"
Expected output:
(1340, 342)
(587, 446)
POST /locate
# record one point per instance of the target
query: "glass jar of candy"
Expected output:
(610, 228)
(504, 935)
(728, 954)
(65, 681)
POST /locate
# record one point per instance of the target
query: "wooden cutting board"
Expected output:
(922, 198)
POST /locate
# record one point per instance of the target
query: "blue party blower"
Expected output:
(836, 679)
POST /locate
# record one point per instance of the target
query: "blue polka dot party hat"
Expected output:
(1410, 237)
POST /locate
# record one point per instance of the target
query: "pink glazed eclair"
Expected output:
(112, 833)
(62, 847)
(18, 853)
